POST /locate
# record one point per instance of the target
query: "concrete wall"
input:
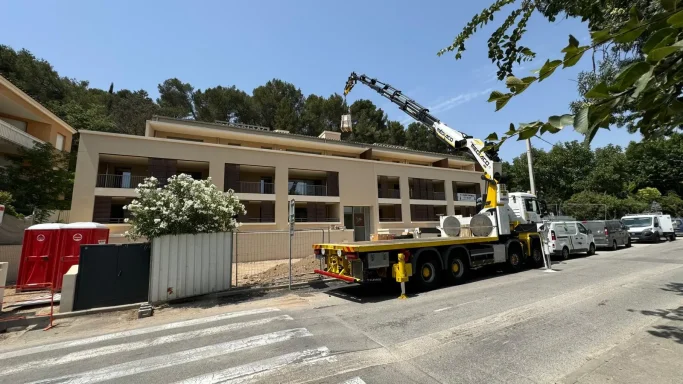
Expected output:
(11, 254)
(357, 177)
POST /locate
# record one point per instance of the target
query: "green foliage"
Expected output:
(278, 105)
(39, 180)
(648, 195)
(645, 95)
(6, 199)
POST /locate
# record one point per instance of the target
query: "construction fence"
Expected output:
(262, 258)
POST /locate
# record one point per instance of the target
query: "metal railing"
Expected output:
(435, 196)
(303, 189)
(316, 220)
(17, 136)
(110, 220)
(257, 220)
(119, 181)
(389, 194)
(390, 219)
(256, 187)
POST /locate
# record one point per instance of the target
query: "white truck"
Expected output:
(649, 227)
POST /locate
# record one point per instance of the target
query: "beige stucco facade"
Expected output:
(279, 157)
(24, 122)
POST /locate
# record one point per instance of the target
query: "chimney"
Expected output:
(329, 135)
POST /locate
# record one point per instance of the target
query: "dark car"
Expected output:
(678, 226)
(609, 233)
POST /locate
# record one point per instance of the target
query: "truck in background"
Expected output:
(649, 227)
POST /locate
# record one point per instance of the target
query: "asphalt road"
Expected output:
(529, 327)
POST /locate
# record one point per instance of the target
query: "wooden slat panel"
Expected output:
(231, 179)
(397, 212)
(332, 183)
(310, 211)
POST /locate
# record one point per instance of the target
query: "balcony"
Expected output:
(317, 220)
(390, 213)
(388, 187)
(304, 189)
(314, 212)
(255, 187)
(16, 136)
(425, 189)
(119, 181)
(389, 193)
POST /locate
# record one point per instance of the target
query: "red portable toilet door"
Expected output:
(38, 256)
(70, 252)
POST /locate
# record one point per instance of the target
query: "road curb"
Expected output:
(94, 311)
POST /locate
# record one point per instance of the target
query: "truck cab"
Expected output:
(526, 206)
(649, 227)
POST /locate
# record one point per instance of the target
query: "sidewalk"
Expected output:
(655, 357)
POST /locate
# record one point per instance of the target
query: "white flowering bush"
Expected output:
(184, 205)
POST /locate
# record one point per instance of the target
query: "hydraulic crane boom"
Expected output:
(487, 159)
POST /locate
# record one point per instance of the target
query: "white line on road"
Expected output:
(173, 359)
(133, 332)
(442, 309)
(355, 380)
(117, 348)
(248, 372)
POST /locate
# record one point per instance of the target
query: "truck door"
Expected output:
(581, 237)
(532, 212)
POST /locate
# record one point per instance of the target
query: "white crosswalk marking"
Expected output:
(355, 380)
(173, 359)
(111, 349)
(248, 372)
(134, 332)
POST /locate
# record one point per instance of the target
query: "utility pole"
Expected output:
(531, 166)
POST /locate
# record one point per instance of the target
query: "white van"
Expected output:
(570, 237)
(649, 227)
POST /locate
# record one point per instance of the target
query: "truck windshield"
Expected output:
(637, 221)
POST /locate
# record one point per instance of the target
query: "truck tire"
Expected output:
(427, 273)
(591, 249)
(565, 253)
(457, 270)
(614, 246)
(515, 258)
(536, 257)
(672, 237)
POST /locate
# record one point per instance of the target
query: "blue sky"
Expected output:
(312, 44)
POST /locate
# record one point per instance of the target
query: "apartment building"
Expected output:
(24, 122)
(333, 183)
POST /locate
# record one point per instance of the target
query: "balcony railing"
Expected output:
(316, 220)
(109, 220)
(17, 136)
(257, 220)
(256, 187)
(390, 219)
(119, 181)
(302, 189)
(435, 196)
(389, 194)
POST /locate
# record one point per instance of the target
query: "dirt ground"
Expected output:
(11, 297)
(277, 272)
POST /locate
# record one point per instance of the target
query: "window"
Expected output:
(20, 125)
(582, 229)
(530, 205)
(59, 144)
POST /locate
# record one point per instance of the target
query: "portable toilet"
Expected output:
(72, 237)
(38, 255)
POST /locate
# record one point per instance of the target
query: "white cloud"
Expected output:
(453, 102)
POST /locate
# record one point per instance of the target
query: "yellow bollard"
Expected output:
(401, 271)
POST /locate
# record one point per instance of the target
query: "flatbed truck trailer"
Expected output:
(426, 263)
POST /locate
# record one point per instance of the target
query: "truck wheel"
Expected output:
(614, 245)
(591, 249)
(536, 257)
(427, 273)
(515, 259)
(672, 237)
(565, 253)
(458, 270)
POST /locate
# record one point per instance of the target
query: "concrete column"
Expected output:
(4, 267)
(217, 173)
(66, 303)
(405, 199)
(450, 206)
(281, 196)
(83, 199)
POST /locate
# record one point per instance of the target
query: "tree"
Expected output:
(609, 172)
(422, 138)
(322, 114)
(657, 163)
(369, 123)
(224, 104)
(647, 92)
(39, 180)
(672, 204)
(131, 110)
(175, 99)
(182, 206)
(6, 199)
(278, 100)
(648, 195)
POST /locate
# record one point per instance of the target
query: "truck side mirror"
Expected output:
(656, 225)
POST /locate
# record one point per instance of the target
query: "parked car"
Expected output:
(678, 226)
(649, 227)
(609, 233)
(570, 237)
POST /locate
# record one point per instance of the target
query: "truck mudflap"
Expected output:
(348, 279)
